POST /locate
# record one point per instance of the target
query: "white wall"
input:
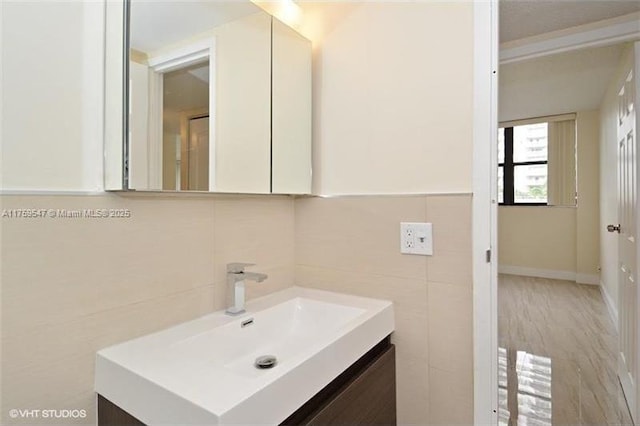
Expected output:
(52, 118)
(392, 97)
(608, 180)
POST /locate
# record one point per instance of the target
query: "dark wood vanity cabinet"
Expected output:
(110, 414)
(364, 394)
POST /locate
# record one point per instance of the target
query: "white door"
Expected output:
(627, 235)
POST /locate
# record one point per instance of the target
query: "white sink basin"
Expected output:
(202, 371)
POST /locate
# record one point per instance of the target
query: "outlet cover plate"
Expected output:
(416, 238)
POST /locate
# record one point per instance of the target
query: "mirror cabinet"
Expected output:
(206, 96)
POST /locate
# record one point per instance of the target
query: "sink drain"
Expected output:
(265, 362)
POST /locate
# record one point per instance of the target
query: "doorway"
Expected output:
(185, 128)
(560, 339)
(485, 197)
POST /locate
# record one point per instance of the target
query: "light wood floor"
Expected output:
(557, 355)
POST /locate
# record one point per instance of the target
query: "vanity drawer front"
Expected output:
(110, 414)
(364, 394)
(369, 399)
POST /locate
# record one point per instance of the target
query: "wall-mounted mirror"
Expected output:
(219, 96)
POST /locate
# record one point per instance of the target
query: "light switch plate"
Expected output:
(416, 238)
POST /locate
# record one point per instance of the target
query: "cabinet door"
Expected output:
(370, 399)
(241, 114)
(291, 109)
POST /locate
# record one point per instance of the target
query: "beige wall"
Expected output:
(87, 284)
(73, 286)
(392, 101)
(561, 239)
(351, 245)
(608, 180)
(537, 237)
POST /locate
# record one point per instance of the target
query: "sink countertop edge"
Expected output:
(109, 380)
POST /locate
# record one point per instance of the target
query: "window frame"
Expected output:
(508, 171)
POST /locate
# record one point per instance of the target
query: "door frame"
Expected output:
(193, 53)
(485, 213)
(635, 65)
(485, 125)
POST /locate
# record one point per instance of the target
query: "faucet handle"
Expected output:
(237, 267)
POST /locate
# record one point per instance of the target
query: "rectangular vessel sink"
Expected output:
(203, 372)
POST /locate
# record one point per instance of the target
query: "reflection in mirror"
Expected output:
(185, 128)
(199, 76)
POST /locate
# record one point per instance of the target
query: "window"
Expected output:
(537, 162)
(523, 164)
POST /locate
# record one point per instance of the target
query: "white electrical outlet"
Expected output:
(416, 238)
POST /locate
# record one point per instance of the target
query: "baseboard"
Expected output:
(550, 273)
(535, 272)
(591, 279)
(611, 307)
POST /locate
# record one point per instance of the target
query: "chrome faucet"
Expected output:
(236, 276)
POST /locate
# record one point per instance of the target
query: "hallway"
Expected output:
(557, 355)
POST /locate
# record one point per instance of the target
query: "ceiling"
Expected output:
(187, 88)
(526, 18)
(568, 82)
(158, 23)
